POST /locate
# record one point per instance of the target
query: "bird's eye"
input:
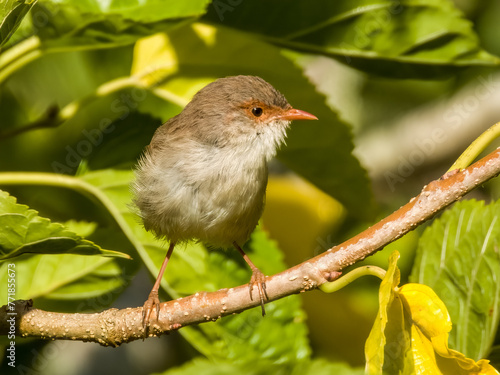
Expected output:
(257, 111)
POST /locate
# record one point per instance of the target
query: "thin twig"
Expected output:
(476, 147)
(349, 277)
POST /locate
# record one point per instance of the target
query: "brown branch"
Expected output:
(114, 327)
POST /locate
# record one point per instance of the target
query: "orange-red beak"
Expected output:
(297, 114)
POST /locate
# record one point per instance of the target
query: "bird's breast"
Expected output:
(233, 177)
(209, 193)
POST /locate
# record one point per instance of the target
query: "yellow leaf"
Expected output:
(375, 347)
(156, 65)
(154, 59)
(431, 322)
(410, 333)
(427, 310)
(422, 353)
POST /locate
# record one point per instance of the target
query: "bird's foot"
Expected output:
(152, 303)
(258, 279)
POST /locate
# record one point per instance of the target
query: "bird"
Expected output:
(203, 176)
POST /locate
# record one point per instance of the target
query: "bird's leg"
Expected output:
(153, 302)
(258, 279)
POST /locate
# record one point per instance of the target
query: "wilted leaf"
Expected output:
(429, 332)
(379, 348)
(410, 335)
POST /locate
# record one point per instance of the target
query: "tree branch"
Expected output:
(114, 327)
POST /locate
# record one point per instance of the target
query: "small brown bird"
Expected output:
(204, 174)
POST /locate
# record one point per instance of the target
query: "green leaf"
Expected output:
(204, 366)
(324, 367)
(104, 278)
(316, 367)
(280, 337)
(62, 276)
(321, 151)
(23, 231)
(141, 11)
(12, 13)
(81, 228)
(458, 258)
(423, 38)
(123, 142)
(74, 25)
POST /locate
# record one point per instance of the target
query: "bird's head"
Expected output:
(246, 110)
